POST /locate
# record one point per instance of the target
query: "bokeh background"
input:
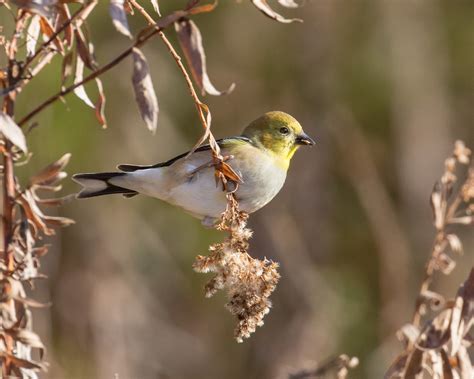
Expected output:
(385, 87)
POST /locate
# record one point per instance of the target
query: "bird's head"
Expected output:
(279, 133)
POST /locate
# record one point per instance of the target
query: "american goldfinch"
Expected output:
(261, 156)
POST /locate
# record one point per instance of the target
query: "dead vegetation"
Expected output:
(435, 343)
(49, 29)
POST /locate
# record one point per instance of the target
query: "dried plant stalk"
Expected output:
(438, 338)
(249, 282)
(339, 365)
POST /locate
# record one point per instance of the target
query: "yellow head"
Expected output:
(279, 133)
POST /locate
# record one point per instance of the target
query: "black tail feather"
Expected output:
(97, 184)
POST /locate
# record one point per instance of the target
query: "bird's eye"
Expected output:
(284, 130)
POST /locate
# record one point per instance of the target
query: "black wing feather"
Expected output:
(220, 142)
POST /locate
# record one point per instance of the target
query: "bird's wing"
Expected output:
(223, 143)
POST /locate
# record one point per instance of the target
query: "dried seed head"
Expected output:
(461, 152)
(450, 164)
(249, 282)
(467, 190)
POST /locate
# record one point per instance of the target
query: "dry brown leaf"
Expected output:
(32, 35)
(31, 302)
(445, 263)
(408, 333)
(48, 30)
(465, 366)
(467, 314)
(64, 16)
(455, 243)
(26, 337)
(100, 105)
(67, 68)
(263, 6)
(41, 7)
(397, 368)
(289, 3)
(144, 91)
(25, 363)
(206, 8)
(414, 365)
(437, 205)
(33, 213)
(190, 40)
(456, 325)
(84, 50)
(49, 173)
(156, 6)
(55, 221)
(12, 132)
(78, 77)
(447, 370)
(119, 17)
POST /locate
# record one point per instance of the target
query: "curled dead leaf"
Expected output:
(455, 243)
(156, 6)
(67, 68)
(12, 132)
(190, 40)
(144, 92)
(50, 172)
(263, 7)
(32, 35)
(85, 50)
(41, 7)
(289, 3)
(119, 17)
(63, 17)
(48, 30)
(26, 337)
(78, 77)
(100, 105)
(437, 204)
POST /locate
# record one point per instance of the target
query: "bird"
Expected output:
(261, 156)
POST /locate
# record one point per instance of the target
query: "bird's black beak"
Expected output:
(304, 139)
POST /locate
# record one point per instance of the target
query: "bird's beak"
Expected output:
(304, 139)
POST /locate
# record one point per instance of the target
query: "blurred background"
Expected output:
(385, 87)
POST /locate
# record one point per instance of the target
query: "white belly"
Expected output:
(197, 193)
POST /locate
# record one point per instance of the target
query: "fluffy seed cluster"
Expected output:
(249, 282)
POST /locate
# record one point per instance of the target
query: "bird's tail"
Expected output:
(97, 184)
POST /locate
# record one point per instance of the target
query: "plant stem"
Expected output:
(200, 106)
(9, 185)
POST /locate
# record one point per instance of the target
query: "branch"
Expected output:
(9, 186)
(45, 44)
(203, 110)
(200, 106)
(143, 37)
